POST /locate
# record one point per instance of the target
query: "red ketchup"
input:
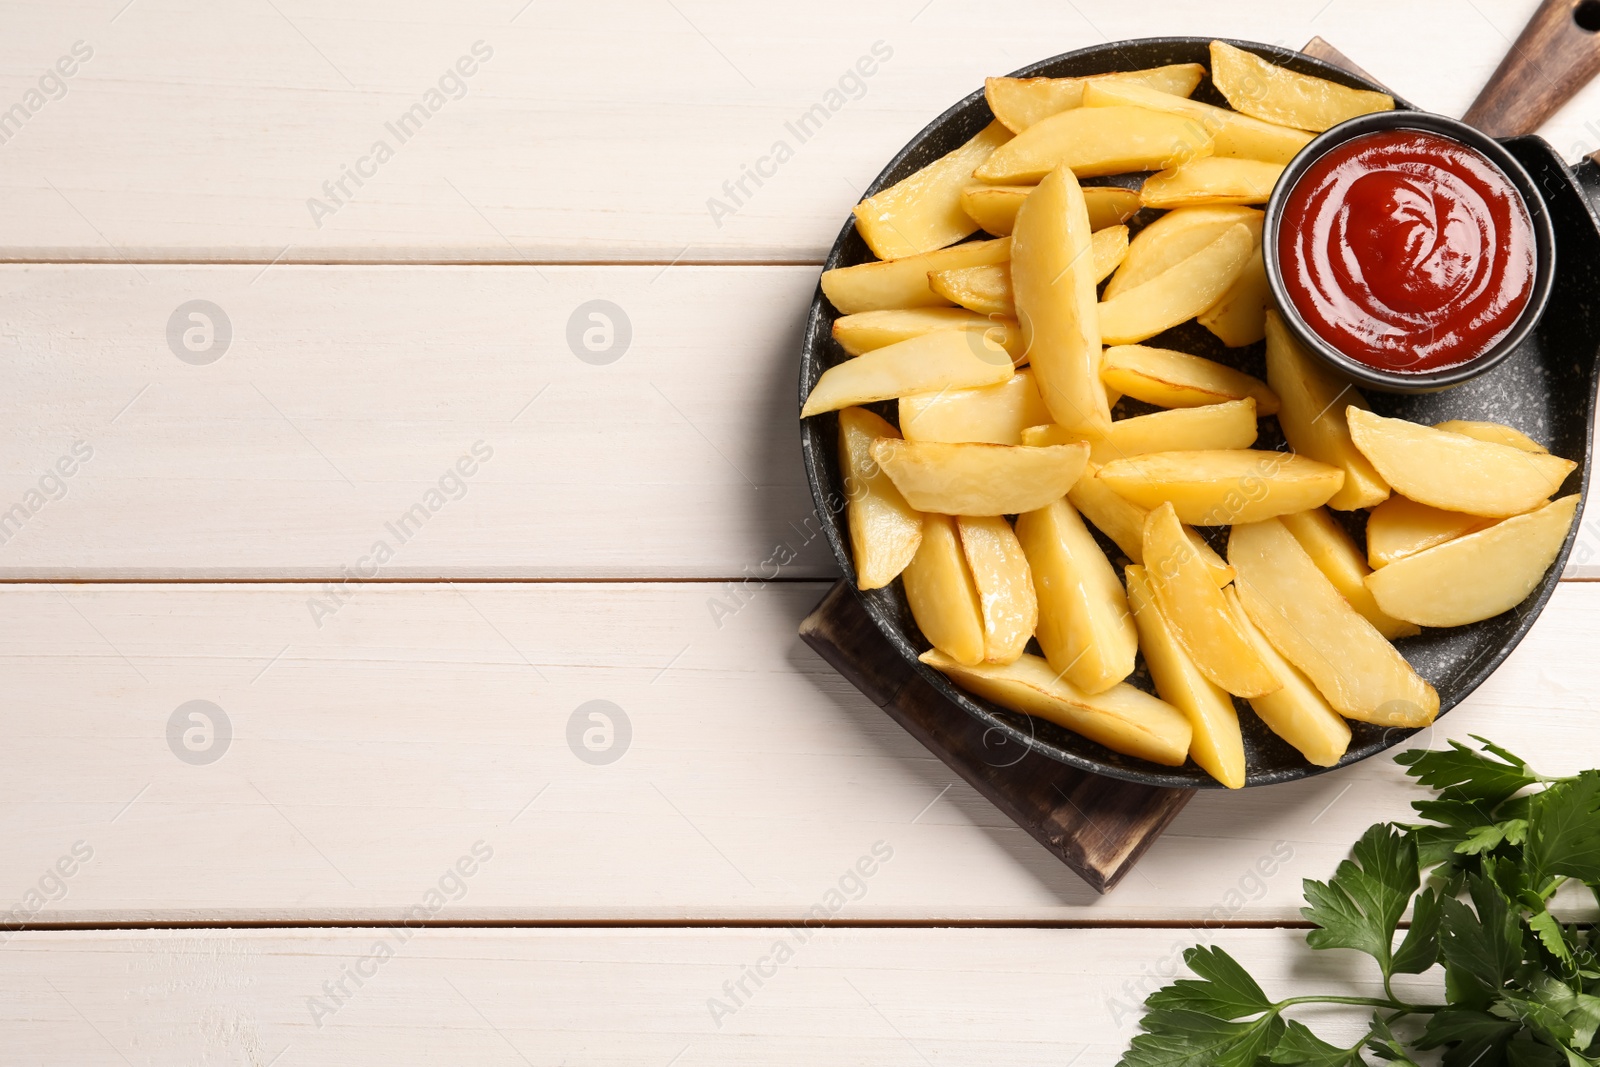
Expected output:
(1407, 251)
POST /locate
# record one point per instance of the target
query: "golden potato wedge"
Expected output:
(869, 330)
(1297, 712)
(1108, 247)
(1492, 431)
(1216, 745)
(885, 531)
(948, 359)
(1195, 609)
(1052, 279)
(1095, 141)
(1240, 317)
(1005, 587)
(993, 414)
(1173, 238)
(923, 212)
(1315, 628)
(1217, 426)
(1235, 135)
(1020, 102)
(986, 290)
(903, 283)
(1123, 521)
(1256, 87)
(1171, 379)
(1121, 718)
(1214, 180)
(1477, 576)
(1084, 626)
(1179, 293)
(1311, 398)
(1341, 562)
(1220, 488)
(1453, 471)
(994, 207)
(941, 593)
(979, 479)
(1398, 528)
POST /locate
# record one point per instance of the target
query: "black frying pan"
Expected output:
(1546, 389)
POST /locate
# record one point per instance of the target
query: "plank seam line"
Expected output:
(658, 263)
(783, 580)
(665, 924)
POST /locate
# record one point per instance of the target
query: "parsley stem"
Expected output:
(1364, 1002)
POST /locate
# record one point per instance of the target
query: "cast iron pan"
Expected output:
(1546, 389)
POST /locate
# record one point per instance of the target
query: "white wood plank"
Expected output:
(878, 997)
(595, 131)
(369, 753)
(346, 394)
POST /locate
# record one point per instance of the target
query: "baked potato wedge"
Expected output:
(1454, 472)
(1006, 600)
(903, 283)
(979, 479)
(1479, 575)
(1021, 102)
(1195, 609)
(1173, 238)
(1212, 180)
(1297, 712)
(1179, 293)
(1234, 135)
(1171, 379)
(885, 531)
(923, 212)
(985, 290)
(1398, 528)
(870, 330)
(994, 207)
(1499, 433)
(1239, 317)
(1311, 398)
(1052, 277)
(1216, 426)
(1092, 142)
(1220, 488)
(1216, 743)
(1256, 87)
(1122, 718)
(1341, 562)
(948, 359)
(1305, 618)
(1084, 627)
(992, 414)
(941, 592)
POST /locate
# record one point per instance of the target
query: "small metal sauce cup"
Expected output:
(1413, 381)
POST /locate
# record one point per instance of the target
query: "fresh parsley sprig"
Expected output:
(1520, 988)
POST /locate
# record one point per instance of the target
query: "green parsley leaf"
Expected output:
(1480, 950)
(1420, 949)
(1548, 929)
(1564, 830)
(1183, 1038)
(1461, 773)
(1468, 1037)
(1301, 1048)
(1224, 989)
(1360, 907)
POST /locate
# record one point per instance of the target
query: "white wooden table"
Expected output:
(410, 747)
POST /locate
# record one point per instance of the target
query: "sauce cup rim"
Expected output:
(1456, 130)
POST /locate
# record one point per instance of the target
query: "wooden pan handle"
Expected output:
(1557, 53)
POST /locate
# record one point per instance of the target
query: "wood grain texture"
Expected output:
(346, 395)
(597, 131)
(1556, 54)
(619, 997)
(1099, 827)
(368, 754)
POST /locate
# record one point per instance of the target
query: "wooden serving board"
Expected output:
(1097, 826)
